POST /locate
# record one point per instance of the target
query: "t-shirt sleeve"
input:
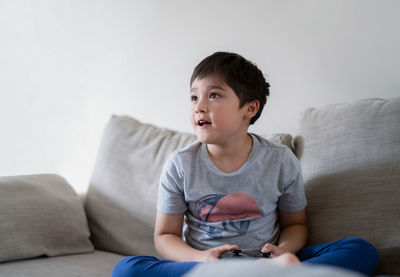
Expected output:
(291, 184)
(171, 198)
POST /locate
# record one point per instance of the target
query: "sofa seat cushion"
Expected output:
(350, 157)
(122, 196)
(94, 264)
(41, 215)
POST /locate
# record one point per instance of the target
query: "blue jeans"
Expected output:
(352, 253)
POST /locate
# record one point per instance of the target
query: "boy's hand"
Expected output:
(273, 249)
(215, 253)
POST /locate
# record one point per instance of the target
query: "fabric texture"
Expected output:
(95, 264)
(122, 195)
(350, 253)
(40, 215)
(350, 157)
(149, 266)
(235, 208)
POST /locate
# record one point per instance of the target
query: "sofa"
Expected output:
(350, 158)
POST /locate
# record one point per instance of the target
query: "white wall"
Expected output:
(67, 65)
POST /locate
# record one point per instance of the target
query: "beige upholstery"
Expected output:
(122, 197)
(94, 264)
(350, 157)
(40, 215)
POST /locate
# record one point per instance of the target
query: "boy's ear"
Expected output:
(251, 109)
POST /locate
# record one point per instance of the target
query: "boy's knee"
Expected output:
(121, 268)
(363, 247)
(131, 266)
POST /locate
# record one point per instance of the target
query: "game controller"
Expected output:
(236, 253)
(265, 255)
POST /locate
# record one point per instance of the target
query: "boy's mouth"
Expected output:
(203, 122)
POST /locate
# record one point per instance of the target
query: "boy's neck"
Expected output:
(230, 157)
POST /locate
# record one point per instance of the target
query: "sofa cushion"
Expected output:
(94, 264)
(40, 215)
(350, 157)
(122, 196)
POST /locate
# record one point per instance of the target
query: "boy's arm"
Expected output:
(169, 243)
(293, 235)
(294, 230)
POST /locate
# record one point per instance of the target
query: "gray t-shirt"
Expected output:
(237, 208)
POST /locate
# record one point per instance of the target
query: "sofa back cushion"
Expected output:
(350, 157)
(122, 196)
(40, 215)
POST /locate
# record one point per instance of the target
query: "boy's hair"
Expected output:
(243, 76)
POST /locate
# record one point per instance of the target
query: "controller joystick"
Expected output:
(265, 255)
(236, 252)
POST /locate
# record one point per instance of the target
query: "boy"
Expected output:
(234, 189)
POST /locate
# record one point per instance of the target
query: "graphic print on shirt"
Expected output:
(232, 213)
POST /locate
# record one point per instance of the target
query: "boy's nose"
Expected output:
(201, 107)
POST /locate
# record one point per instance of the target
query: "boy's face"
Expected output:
(214, 111)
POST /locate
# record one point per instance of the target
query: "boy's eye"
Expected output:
(193, 98)
(214, 95)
